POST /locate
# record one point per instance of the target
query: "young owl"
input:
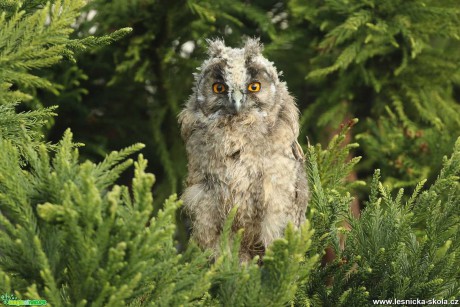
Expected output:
(240, 127)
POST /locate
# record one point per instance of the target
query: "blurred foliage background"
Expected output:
(393, 64)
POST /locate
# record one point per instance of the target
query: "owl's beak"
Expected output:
(237, 100)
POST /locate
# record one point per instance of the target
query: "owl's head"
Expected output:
(233, 81)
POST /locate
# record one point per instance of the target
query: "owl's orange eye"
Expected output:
(218, 88)
(254, 87)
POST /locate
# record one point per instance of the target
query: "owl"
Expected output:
(240, 128)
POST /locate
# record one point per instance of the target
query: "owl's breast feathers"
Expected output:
(245, 161)
(250, 165)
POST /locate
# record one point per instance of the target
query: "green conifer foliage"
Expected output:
(330, 192)
(402, 246)
(69, 236)
(395, 62)
(275, 283)
(34, 39)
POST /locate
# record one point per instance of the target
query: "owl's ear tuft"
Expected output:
(216, 47)
(252, 47)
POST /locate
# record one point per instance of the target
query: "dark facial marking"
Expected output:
(215, 70)
(256, 100)
(258, 72)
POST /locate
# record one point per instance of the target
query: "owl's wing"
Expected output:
(297, 151)
(301, 185)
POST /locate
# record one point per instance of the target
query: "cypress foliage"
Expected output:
(394, 62)
(33, 39)
(402, 246)
(70, 239)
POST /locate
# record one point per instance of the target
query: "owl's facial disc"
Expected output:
(235, 82)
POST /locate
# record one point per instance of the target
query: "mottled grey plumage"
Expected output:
(242, 150)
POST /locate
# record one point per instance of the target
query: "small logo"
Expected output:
(12, 300)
